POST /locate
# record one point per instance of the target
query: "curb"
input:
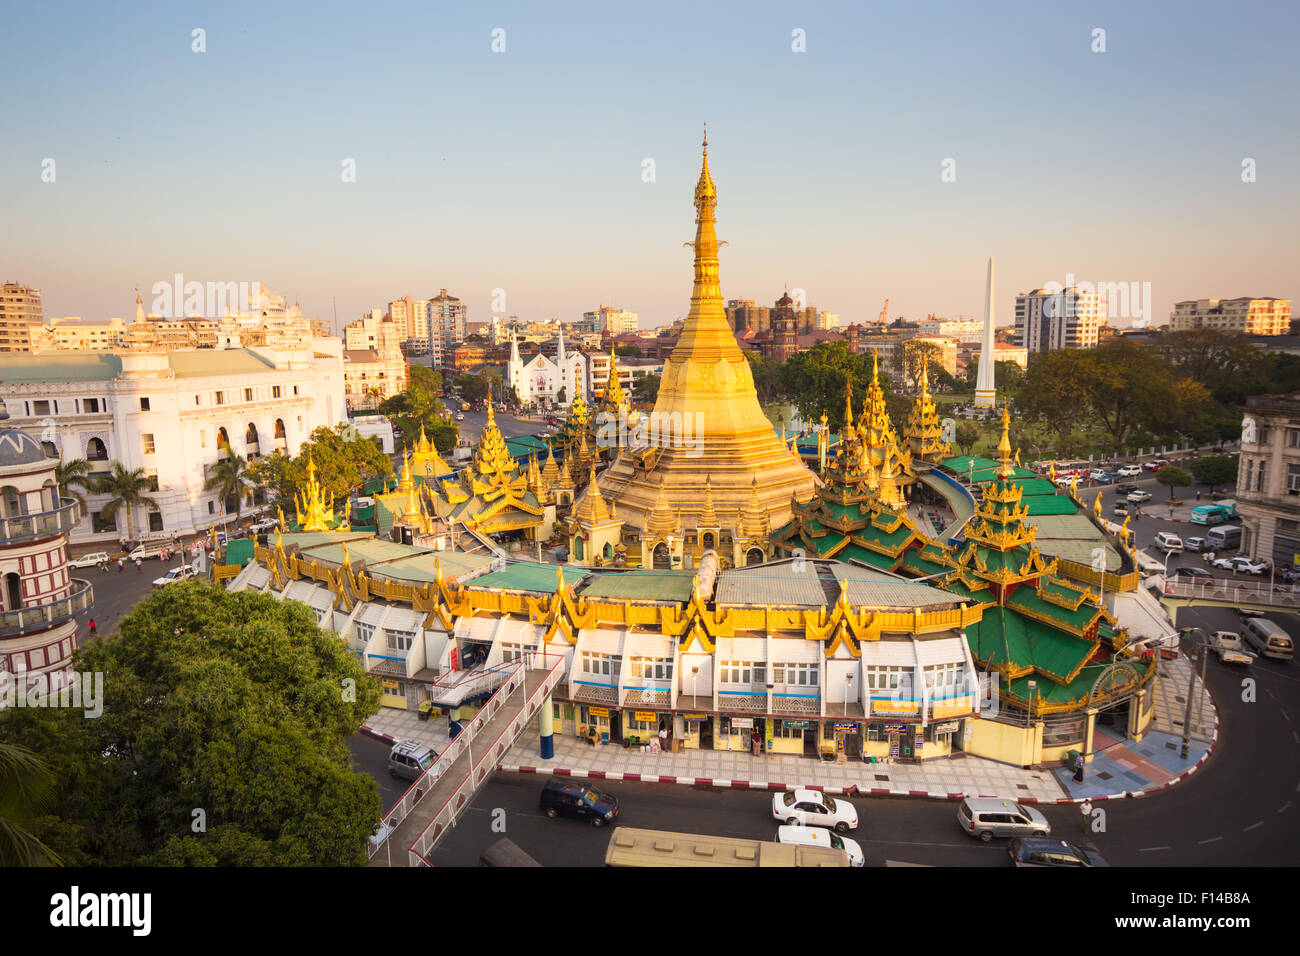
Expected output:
(376, 735)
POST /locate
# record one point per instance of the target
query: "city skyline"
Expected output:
(827, 159)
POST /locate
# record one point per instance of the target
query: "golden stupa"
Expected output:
(707, 417)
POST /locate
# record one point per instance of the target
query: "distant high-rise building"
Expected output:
(964, 330)
(609, 320)
(446, 317)
(1068, 319)
(743, 314)
(827, 321)
(20, 316)
(1266, 316)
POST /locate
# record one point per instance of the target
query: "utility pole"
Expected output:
(1191, 684)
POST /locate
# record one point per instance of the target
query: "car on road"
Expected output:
(1125, 487)
(1103, 477)
(989, 817)
(1129, 471)
(1120, 510)
(1037, 851)
(1269, 639)
(1196, 544)
(1241, 564)
(816, 836)
(1230, 648)
(182, 573)
(410, 760)
(1156, 464)
(1169, 542)
(92, 560)
(266, 524)
(574, 798)
(460, 416)
(1139, 496)
(1199, 573)
(813, 808)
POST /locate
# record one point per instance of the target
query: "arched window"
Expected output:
(279, 428)
(706, 540)
(661, 556)
(50, 450)
(577, 548)
(96, 450)
(250, 434)
(608, 551)
(754, 556)
(13, 592)
(50, 496)
(12, 501)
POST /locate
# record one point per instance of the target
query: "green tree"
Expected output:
(1174, 478)
(126, 489)
(966, 435)
(914, 356)
(72, 475)
(1213, 470)
(230, 477)
(26, 786)
(628, 351)
(1051, 390)
(645, 388)
(234, 703)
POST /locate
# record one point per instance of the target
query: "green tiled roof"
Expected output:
(1052, 692)
(866, 556)
(1036, 486)
(371, 550)
(240, 551)
(1049, 505)
(1027, 598)
(422, 568)
(962, 464)
(914, 560)
(528, 576)
(1003, 636)
(17, 369)
(312, 539)
(989, 474)
(639, 585)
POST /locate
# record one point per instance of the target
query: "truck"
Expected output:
(1230, 648)
(150, 549)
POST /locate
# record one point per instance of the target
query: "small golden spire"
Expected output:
(848, 405)
(1004, 446)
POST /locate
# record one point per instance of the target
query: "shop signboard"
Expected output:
(895, 728)
(695, 716)
(598, 711)
(742, 722)
(846, 727)
(645, 716)
(947, 727)
(796, 724)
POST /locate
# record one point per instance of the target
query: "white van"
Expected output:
(819, 836)
(1225, 537)
(1169, 542)
(1268, 639)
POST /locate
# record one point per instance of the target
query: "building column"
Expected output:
(1135, 707)
(546, 727)
(1089, 725)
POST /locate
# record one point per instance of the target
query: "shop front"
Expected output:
(895, 739)
(740, 733)
(696, 731)
(848, 739)
(786, 736)
(943, 738)
(641, 727)
(598, 722)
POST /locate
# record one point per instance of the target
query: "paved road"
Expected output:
(370, 756)
(116, 594)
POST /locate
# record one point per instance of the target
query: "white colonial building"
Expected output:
(542, 377)
(174, 414)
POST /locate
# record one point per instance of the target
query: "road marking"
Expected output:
(1284, 716)
(1296, 735)
(1210, 840)
(1152, 849)
(1252, 826)
(1285, 807)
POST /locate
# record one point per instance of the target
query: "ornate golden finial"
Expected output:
(848, 404)
(279, 509)
(1004, 446)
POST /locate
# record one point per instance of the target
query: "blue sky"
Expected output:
(522, 170)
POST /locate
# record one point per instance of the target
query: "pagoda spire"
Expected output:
(1004, 446)
(848, 405)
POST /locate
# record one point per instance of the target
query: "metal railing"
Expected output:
(41, 616)
(61, 519)
(446, 686)
(1226, 589)
(485, 762)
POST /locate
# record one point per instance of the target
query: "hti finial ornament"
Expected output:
(706, 135)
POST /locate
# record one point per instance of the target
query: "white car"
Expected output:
(1130, 471)
(812, 808)
(814, 836)
(1241, 564)
(1156, 464)
(92, 560)
(174, 575)
(1139, 496)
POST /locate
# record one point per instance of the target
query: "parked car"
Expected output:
(1241, 564)
(1139, 496)
(1156, 464)
(1169, 542)
(175, 574)
(1196, 544)
(816, 836)
(813, 808)
(577, 799)
(265, 524)
(1129, 471)
(1191, 573)
(1037, 851)
(92, 560)
(989, 817)
(410, 760)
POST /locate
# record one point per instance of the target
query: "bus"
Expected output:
(1224, 538)
(1215, 513)
(629, 846)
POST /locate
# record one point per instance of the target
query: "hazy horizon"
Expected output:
(523, 170)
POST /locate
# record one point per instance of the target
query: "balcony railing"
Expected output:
(41, 616)
(62, 518)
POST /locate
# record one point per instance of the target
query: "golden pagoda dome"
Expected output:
(407, 482)
(613, 398)
(592, 510)
(889, 495)
(316, 509)
(753, 522)
(709, 516)
(661, 522)
(550, 473)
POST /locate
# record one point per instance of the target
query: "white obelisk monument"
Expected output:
(985, 393)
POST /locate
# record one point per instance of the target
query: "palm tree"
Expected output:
(73, 473)
(25, 787)
(229, 476)
(127, 489)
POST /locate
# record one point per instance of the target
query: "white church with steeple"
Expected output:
(542, 378)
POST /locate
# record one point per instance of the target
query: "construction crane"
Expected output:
(884, 314)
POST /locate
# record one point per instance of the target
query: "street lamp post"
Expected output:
(1204, 644)
(1029, 706)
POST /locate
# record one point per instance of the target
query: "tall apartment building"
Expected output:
(373, 365)
(743, 314)
(1068, 319)
(20, 316)
(827, 321)
(447, 313)
(1249, 316)
(608, 320)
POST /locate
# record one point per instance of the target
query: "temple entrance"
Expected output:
(662, 560)
(754, 556)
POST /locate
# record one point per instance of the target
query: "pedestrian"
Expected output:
(1085, 815)
(139, 565)
(663, 738)
(1171, 512)
(1078, 768)
(93, 630)
(120, 565)
(1198, 496)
